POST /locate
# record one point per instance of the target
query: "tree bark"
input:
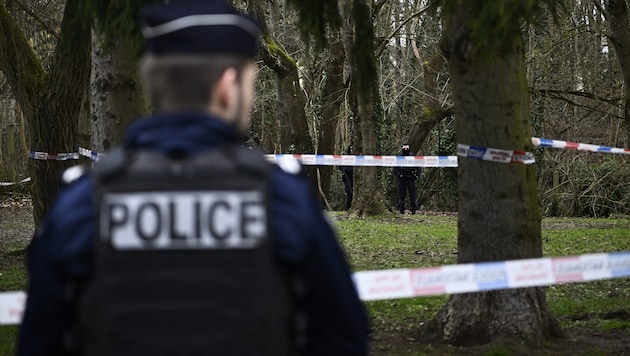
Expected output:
(51, 101)
(332, 97)
(432, 112)
(117, 96)
(499, 217)
(294, 131)
(617, 11)
(367, 196)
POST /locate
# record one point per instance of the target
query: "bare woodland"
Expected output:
(438, 74)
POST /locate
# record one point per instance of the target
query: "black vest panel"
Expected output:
(184, 261)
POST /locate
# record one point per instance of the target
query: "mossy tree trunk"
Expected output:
(295, 136)
(50, 100)
(332, 97)
(498, 216)
(432, 113)
(367, 196)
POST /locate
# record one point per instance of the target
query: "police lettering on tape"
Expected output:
(183, 220)
(451, 279)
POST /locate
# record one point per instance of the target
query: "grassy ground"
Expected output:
(596, 315)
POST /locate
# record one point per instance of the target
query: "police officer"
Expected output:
(347, 176)
(199, 71)
(407, 177)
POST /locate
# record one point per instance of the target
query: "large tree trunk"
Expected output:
(367, 197)
(617, 11)
(117, 96)
(499, 217)
(50, 101)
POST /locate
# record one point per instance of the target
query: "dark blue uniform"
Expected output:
(407, 183)
(61, 254)
(348, 183)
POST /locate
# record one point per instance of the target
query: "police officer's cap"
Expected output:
(198, 27)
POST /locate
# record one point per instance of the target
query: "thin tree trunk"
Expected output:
(499, 217)
(431, 112)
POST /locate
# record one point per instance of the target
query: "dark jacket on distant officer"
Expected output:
(407, 177)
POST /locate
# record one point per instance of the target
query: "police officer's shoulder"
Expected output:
(112, 163)
(290, 165)
(73, 174)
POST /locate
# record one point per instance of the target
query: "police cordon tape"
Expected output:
(449, 279)
(46, 156)
(476, 152)
(7, 184)
(568, 145)
(495, 154)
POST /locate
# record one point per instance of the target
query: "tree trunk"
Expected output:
(50, 101)
(332, 98)
(617, 11)
(367, 196)
(117, 96)
(499, 217)
(294, 132)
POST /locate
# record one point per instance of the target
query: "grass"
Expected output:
(386, 242)
(423, 241)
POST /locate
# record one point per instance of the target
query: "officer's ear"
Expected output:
(224, 94)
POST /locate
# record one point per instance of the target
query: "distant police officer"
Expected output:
(407, 177)
(347, 176)
(180, 242)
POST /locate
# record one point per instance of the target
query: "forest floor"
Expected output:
(16, 230)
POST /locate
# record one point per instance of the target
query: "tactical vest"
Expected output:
(184, 261)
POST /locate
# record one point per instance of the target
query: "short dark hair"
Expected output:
(185, 82)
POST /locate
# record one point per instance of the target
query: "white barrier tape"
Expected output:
(343, 160)
(373, 161)
(11, 307)
(495, 155)
(479, 277)
(451, 279)
(568, 145)
(45, 156)
(483, 153)
(6, 184)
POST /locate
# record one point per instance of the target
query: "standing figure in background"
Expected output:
(348, 182)
(407, 177)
